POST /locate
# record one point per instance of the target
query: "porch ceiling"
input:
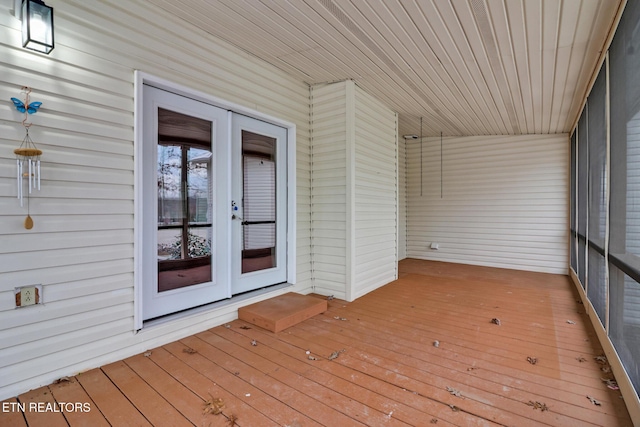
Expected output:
(468, 67)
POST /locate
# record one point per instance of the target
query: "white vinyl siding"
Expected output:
(354, 191)
(329, 187)
(502, 203)
(81, 248)
(376, 194)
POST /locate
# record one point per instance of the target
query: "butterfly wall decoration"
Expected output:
(29, 108)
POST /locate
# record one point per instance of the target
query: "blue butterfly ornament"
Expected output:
(31, 108)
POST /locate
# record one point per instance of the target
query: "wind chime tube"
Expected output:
(30, 176)
(19, 178)
(38, 175)
(20, 189)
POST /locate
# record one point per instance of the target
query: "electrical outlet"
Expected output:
(28, 295)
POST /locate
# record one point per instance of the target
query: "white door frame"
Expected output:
(142, 78)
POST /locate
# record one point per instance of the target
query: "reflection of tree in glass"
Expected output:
(169, 166)
(170, 170)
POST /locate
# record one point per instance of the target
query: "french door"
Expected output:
(182, 234)
(213, 205)
(259, 204)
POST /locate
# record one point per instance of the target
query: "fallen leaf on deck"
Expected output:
(62, 380)
(312, 357)
(594, 401)
(602, 359)
(232, 420)
(213, 406)
(433, 421)
(532, 360)
(245, 327)
(335, 354)
(538, 405)
(227, 326)
(254, 343)
(496, 321)
(581, 359)
(330, 297)
(436, 343)
(571, 322)
(611, 383)
(189, 350)
(147, 354)
(339, 318)
(454, 408)
(472, 368)
(454, 392)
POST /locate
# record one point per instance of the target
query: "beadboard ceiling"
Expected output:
(467, 67)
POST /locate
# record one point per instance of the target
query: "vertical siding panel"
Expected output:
(376, 195)
(503, 202)
(81, 247)
(329, 189)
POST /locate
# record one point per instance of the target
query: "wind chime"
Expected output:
(27, 156)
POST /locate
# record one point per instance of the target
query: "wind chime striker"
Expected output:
(27, 156)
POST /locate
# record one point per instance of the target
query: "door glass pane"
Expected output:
(184, 201)
(259, 202)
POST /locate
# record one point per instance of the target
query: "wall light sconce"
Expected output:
(37, 26)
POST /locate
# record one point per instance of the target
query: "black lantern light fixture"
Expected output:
(37, 26)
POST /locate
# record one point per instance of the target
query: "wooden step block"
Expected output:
(281, 312)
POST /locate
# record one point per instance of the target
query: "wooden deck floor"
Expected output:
(535, 368)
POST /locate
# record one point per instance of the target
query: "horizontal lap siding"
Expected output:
(502, 202)
(329, 188)
(376, 194)
(81, 247)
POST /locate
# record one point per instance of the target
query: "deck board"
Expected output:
(389, 374)
(70, 390)
(186, 402)
(153, 406)
(9, 416)
(109, 400)
(45, 414)
(193, 371)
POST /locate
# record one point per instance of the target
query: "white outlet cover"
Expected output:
(29, 295)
